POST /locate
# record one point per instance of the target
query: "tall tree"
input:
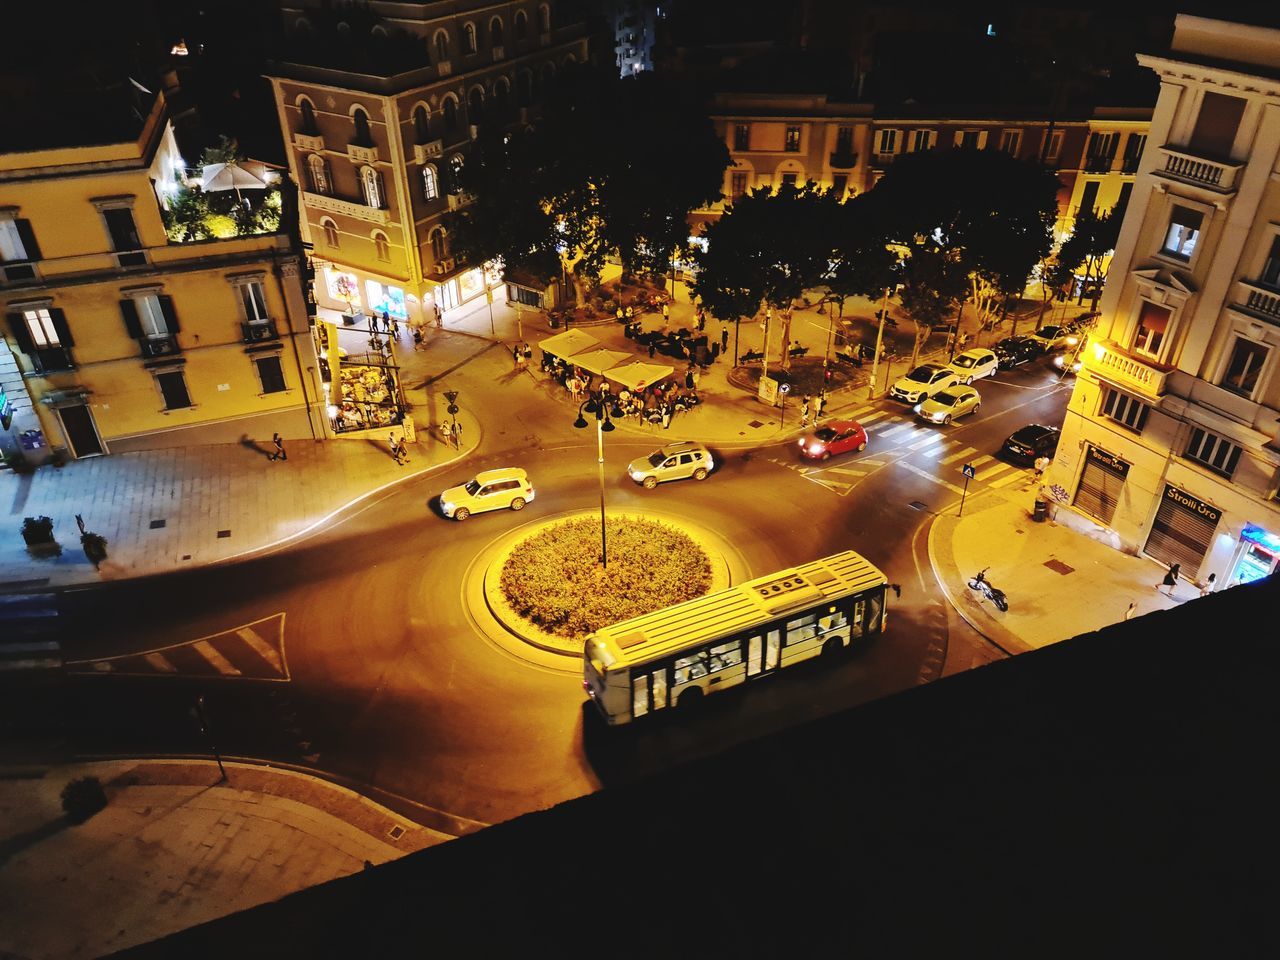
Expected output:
(1092, 241)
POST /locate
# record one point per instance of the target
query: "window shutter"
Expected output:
(982, 139)
(28, 239)
(957, 138)
(60, 327)
(131, 322)
(21, 335)
(170, 317)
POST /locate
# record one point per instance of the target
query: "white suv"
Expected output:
(675, 461)
(504, 489)
(923, 382)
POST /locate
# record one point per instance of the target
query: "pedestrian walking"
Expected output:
(702, 319)
(457, 434)
(666, 314)
(439, 315)
(1208, 585)
(395, 329)
(1042, 464)
(666, 415)
(397, 450)
(652, 350)
(628, 313)
(517, 355)
(1133, 607)
(804, 411)
(279, 454)
(724, 339)
(418, 343)
(819, 406)
(386, 322)
(689, 382)
(1170, 579)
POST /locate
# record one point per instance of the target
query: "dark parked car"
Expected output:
(1015, 351)
(1031, 442)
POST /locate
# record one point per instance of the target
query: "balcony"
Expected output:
(360, 153)
(258, 330)
(162, 346)
(1217, 176)
(308, 142)
(422, 152)
(1098, 164)
(1130, 164)
(359, 211)
(460, 199)
(843, 159)
(1111, 362)
(1258, 301)
(883, 159)
(445, 266)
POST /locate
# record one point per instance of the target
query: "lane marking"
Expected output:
(958, 456)
(264, 649)
(217, 660)
(928, 441)
(159, 661)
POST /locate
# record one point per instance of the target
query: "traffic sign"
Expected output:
(969, 471)
(784, 388)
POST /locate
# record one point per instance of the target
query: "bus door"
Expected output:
(648, 689)
(762, 653)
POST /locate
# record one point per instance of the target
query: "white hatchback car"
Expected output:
(923, 382)
(974, 364)
(506, 489)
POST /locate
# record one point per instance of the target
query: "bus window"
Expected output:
(753, 656)
(875, 605)
(802, 629)
(726, 655)
(691, 667)
(773, 642)
(640, 695)
(832, 621)
(859, 615)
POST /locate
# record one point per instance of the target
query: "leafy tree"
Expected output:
(864, 265)
(1092, 240)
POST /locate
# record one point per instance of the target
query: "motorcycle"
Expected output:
(984, 586)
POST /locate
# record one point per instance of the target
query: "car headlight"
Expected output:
(1059, 361)
(446, 506)
(937, 416)
(815, 449)
(917, 407)
(801, 441)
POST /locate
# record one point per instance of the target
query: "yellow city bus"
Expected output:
(677, 655)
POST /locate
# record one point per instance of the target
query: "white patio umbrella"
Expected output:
(249, 175)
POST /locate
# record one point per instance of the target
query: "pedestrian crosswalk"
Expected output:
(29, 632)
(892, 438)
(253, 651)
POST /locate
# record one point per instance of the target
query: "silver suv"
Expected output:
(675, 461)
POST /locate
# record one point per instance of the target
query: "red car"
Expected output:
(832, 438)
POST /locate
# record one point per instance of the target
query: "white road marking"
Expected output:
(958, 456)
(264, 649)
(160, 662)
(934, 437)
(929, 476)
(991, 471)
(219, 662)
(1010, 479)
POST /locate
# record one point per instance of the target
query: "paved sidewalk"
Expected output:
(173, 848)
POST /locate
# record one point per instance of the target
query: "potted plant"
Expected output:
(37, 531)
(346, 291)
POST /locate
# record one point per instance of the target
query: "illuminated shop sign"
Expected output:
(1194, 504)
(1262, 537)
(1109, 462)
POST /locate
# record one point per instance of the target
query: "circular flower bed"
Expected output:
(555, 579)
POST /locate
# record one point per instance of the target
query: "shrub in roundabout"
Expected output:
(555, 579)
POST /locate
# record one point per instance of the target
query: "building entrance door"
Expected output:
(79, 429)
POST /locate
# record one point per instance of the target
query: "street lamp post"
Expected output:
(604, 405)
(875, 360)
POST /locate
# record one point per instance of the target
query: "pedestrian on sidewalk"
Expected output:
(804, 411)
(689, 382)
(652, 350)
(1042, 464)
(439, 315)
(1208, 585)
(665, 409)
(724, 338)
(528, 353)
(517, 355)
(418, 343)
(1128, 614)
(666, 315)
(819, 406)
(1170, 579)
(397, 450)
(386, 322)
(395, 329)
(702, 319)
(457, 435)
(628, 313)
(279, 445)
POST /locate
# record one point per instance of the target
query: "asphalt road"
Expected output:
(353, 652)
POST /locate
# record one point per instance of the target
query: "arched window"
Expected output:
(451, 115)
(308, 117)
(361, 121)
(468, 38)
(475, 106)
(381, 249)
(302, 28)
(455, 173)
(495, 32)
(524, 88)
(344, 29)
(442, 45)
(379, 32)
(318, 174)
(330, 232)
(371, 187)
(421, 125)
(437, 245)
(430, 183)
(522, 25)
(501, 98)
(544, 19)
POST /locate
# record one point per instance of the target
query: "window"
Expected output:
(1271, 269)
(726, 655)
(524, 88)
(475, 105)
(522, 25)
(1011, 142)
(738, 184)
(381, 249)
(455, 174)
(789, 180)
(1052, 144)
(1089, 199)
(442, 46)
(1184, 231)
(742, 136)
(437, 245)
(921, 140)
(451, 115)
(330, 232)
(1133, 148)
(421, 125)
(1124, 409)
(371, 187)
(844, 140)
(1152, 321)
(149, 316)
(120, 226)
(1216, 125)
(970, 139)
(1101, 150)
(1122, 201)
(792, 144)
(173, 387)
(318, 174)
(430, 183)
(41, 333)
(468, 38)
(1214, 452)
(253, 301)
(40, 328)
(495, 32)
(839, 183)
(270, 374)
(691, 667)
(17, 246)
(887, 141)
(1247, 358)
(360, 120)
(544, 19)
(308, 118)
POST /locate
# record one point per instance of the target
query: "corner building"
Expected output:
(377, 113)
(121, 337)
(1170, 438)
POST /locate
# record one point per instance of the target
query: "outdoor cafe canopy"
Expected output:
(565, 345)
(638, 375)
(598, 361)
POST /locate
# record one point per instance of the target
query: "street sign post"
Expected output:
(969, 473)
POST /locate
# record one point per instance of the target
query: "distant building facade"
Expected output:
(120, 335)
(1171, 435)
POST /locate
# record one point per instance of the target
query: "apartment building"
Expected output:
(122, 333)
(633, 28)
(377, 109)
(1171, 435)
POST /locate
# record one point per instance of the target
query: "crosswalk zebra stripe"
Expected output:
(934, 437)
(929, 476)
(991, 471)
(265, 650)
(219, 662)
(958, 456)
(850, 471)
(160, 662)
(900, 428)
(1011, 478)
(981, 461)
(871, 417)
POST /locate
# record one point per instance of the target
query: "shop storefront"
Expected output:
(1258, 557)
(1183, 529)
(361, 379)
(1103, 478)
(384, 298)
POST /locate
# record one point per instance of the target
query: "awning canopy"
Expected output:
(566, 344)
(638, 375)
(598, 361)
